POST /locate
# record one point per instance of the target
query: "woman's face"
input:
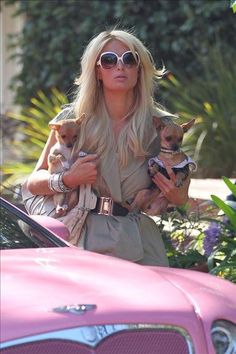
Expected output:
(120, 77)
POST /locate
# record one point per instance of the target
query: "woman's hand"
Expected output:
(83, 171)
(175, 195)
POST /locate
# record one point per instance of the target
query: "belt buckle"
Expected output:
(105, 206)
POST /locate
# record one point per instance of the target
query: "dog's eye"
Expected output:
(168, 138)
(75, 136)
(63, 136)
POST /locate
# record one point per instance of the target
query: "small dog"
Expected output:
(171, 137)
(61, 157)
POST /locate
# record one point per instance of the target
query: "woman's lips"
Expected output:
(121, 77)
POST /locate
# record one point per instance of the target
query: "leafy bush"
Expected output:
(195, 238)
(183, 235)
(33, 124)
(210, 98)
(222, 260)
(56, 32)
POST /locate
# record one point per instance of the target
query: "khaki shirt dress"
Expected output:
(134, 237)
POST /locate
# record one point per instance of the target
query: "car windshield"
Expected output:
(18, 231)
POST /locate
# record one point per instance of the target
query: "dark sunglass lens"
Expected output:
(130, 59)
(108, 60)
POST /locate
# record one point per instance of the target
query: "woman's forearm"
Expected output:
(83, 171)
(37, 183)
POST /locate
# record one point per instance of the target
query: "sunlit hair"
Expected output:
(90, 100)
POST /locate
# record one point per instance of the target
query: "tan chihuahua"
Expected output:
(171, 137)
(61, 157)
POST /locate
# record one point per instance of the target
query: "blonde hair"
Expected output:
(96, 135)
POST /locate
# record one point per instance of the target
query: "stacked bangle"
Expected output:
(56, 184)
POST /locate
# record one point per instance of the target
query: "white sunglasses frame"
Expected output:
(119, 58)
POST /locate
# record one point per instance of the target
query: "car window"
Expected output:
(16, 233)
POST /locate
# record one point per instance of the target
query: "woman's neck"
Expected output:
(118, 105)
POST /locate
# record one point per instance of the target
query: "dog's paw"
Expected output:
(52, 158)
(66, 165)
(60, 157)
(61, 210)
(178, 183)
(152, 170)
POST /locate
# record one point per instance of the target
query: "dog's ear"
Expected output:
(55, 126)
(188, 125)
(158, 123)
(79, 119)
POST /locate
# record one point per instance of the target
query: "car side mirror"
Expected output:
(53, 225)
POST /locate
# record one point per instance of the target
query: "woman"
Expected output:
(115, 91)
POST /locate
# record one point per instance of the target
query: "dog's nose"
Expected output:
(175, 147)
(69, 145)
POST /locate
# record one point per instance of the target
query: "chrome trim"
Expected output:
(78, 309)
(93, 335)
(229, 329)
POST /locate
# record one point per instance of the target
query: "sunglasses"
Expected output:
(108, 60)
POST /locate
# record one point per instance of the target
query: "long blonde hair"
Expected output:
(95, 134)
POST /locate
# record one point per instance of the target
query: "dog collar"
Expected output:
(168, 151)
(186, 161)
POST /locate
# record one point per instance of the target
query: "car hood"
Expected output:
(36, 281)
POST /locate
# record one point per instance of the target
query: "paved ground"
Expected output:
(203, 188)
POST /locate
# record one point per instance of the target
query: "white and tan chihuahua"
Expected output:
(61, 157)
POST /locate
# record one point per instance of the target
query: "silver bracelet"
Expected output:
(52, 182)
(56, 184)
(61, 184)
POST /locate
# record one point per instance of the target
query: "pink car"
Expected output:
(57, 299)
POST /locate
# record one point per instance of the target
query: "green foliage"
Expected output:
(56, 32)
(223, 260)
(228, 211)
(35, 132)
(210, 98)
(233, 5)
(193, 238)
(183, 235)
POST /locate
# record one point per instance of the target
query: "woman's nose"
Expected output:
(120, 64)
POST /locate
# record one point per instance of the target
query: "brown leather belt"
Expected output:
(107, 206)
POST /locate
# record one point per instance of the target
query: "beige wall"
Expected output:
(8, 68)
